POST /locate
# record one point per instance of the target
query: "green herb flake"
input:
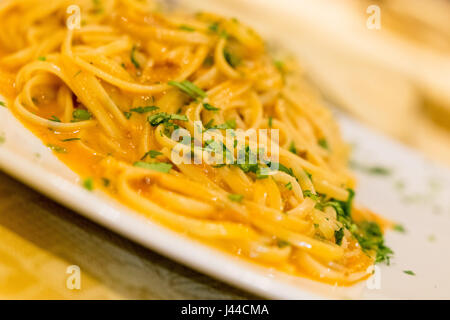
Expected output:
(399, 228)
(309, 194)
(374, 170)
(214, 27)
(209, 107)
(42, 58)
(231, 58)
(323, 143)
(186, 28)
(371, 238)
(127, 115)
(339, 235)
(54, 119)
(367, 233)
(209, 61)
(133, 58)
(180, 117)
(229, 124)
(144, 109)
(279, 65)
(282, 243)
(158, 118)
(155, 166)
(70, 139)
(379, 171)
(292, 148)
(289, 186)
(287, 170)
(106, 182)
(399, 185)
(57, 148)
(236, 197)
(409, 272)
(88, 184)
(189, 88)
(81, 115)
(209, 124)
(163, 117)
(270, 122)
(2, 104)
(152, 154)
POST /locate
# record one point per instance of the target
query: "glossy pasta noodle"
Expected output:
(107, 92)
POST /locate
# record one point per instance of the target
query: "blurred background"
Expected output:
(385, 62)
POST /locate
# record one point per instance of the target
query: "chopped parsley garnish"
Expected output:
(279, 65)
(144, 109)
(236, 197)
(186, 28)
(88, 184)
(292, 148)
(323, 143)
(399, 228)
(368, 233)
(55, 119)
(189, 88)
(106, 182)
(127, 114)
(231, 59)
(230, 124)
(42, 58)
(409, 272)
(209, 124)
(209, 61)
(180, 117)
(214, 27)
(152, 154)
(339, 235)
(57, 148)
(209, 107)
(70, 139)
(374, 170)
(156, 166)
(98, 9)
(309, 175)
(81, 115)
(309, 194)
(270, 122)
(163, 117)
(282, 243)
(2, 104)
(379, 171)
(133, 58)
(288, 186)
(370, 238)
(287, 170)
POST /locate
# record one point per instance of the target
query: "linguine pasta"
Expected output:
(109, 86)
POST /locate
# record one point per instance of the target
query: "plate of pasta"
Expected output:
(183, 132)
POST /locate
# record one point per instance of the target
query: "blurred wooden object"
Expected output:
(381, 76)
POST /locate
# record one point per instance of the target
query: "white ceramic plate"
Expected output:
(422, 206)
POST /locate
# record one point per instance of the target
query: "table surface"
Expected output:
(39, 240)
